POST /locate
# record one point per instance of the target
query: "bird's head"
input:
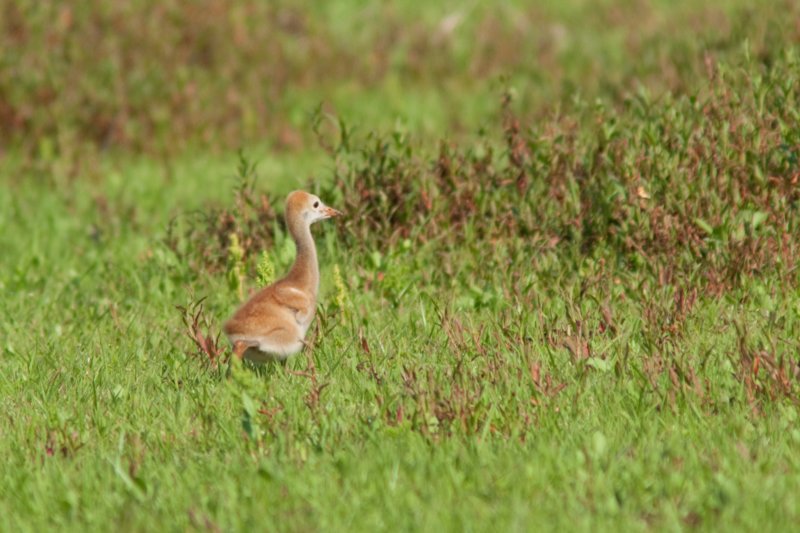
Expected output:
(301, 205)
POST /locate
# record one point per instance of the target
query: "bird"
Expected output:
(272, 324)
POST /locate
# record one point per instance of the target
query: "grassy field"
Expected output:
(565, 294)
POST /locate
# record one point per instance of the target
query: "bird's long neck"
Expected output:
(305, 270)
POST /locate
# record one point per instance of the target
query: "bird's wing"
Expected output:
(299, 302)
(266, 309)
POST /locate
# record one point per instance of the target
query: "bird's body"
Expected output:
(273, 323)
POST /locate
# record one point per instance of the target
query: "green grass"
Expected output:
(579, 311)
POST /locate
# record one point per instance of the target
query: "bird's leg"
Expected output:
(239, 347)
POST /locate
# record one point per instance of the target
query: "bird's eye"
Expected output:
(316, 204)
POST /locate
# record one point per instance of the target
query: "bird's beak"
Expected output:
(331, 212)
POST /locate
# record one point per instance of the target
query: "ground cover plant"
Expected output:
(580, 314)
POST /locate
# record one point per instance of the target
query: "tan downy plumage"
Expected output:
(273, 323)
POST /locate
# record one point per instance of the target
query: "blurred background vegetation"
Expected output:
(78, 79)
